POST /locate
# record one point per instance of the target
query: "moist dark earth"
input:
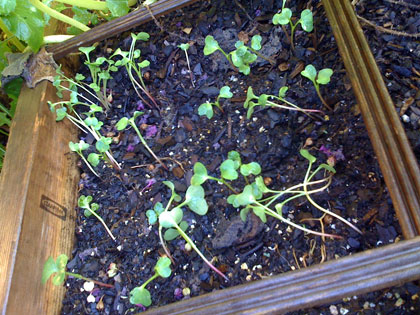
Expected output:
(272, 137)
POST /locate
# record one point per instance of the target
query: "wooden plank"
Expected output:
(117, 26)
(38, 184)
(324, 283)
(396, 159)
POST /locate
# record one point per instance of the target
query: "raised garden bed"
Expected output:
(126, 214)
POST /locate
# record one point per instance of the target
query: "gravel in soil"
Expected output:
(178, 135)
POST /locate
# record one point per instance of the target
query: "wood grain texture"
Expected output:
(396, 159)
(38, 184)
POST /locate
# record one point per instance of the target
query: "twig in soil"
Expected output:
(410, 5)
(243, 9)
(296, 260)
(386, 30)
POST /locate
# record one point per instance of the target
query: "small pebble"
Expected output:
(333, 310)
(88, 286)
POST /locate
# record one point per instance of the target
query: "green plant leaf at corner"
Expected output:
(27, 23)
(307, 155)
(225, 92)
(50, 267)
(261, 185)
(141, 36)
(7, 6)
(184, 47)
(93, 159)
(211, 45)
(141, 296)
(162, 267)
(200, 174)
(309, 72)
(228, 171)
(283, 91)
(324, 76)
(307, 20)
(118, 7)
(256, 42)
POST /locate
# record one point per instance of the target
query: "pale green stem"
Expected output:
(86, 4)
(221, 180)
(103, 223)
(279, 217)
(53, 39)
(133, 124)
(87, 163)
(76, 275)
(149, 280)
(189, 241)
(58, 16)
(189, 68)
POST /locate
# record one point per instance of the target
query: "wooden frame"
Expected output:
(39, 192)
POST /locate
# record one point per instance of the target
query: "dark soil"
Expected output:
(272, 138)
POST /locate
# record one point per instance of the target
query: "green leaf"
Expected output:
(249, 58)
(118, 7)
(262, 100)
(141, 296)
(162, 267)
(245, 198)
(225, 92)
(102, 145)
(79, 77)
(169, 219)
(4, 48)
(211, 45)
(84, 201)
(83, 16)
(151, 215)
(184, 47)
(7, 6)
(27, 23)
(87, 51)
(307, 155)
(260, 184)
(235, 157)
(249, 96)
(245, 69)
(251, 168)
(195, 200)
(137, 114)
(250, 110)
(94, 87)
(78, 147)
(158, 208)
(283, 17)
(183, 225)
(244, 213)
(170, 234)
(200, 174)
(260, 212)
(283, 91)
(228, 171)
(328, 168)
(309, 72)
(50, 267)
(61, 113)
(122, 124)
(171, 186)
(256, 42)
(324, 76)
(144, 64)
(93, 159)
(306, 20)
(206, 109)
(141, 36)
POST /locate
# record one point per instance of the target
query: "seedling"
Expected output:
(207, 107)
(241, 57)
(128, 60)
(100, 76)
(322, 77)
(90, 209)
(58, 269)
(124, 122)
(285, 17)
(79, 148)
(185, 47)
(263, 101)
(172, 221)
(90, 124)
(140, 295)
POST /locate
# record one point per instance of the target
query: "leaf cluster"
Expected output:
(206, 109)
(241, 58)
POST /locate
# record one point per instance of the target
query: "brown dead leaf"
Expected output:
(406, 104)
(243, 36)
(298, 69)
